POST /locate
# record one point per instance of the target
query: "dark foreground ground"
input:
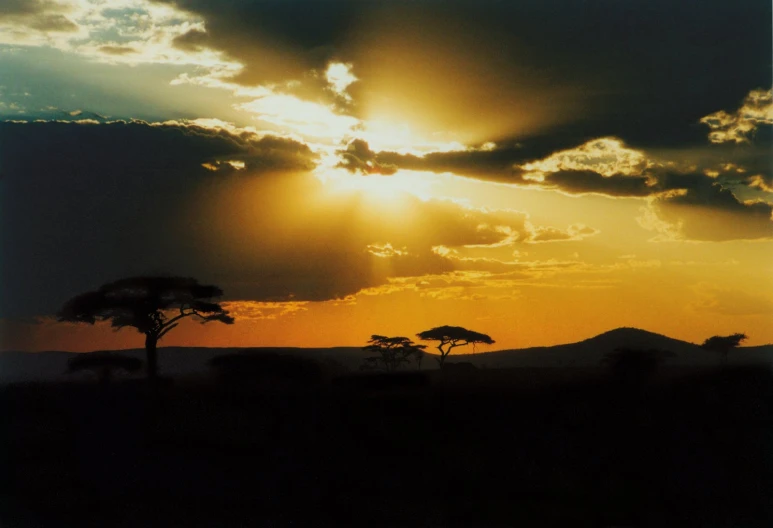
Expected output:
(492, 448)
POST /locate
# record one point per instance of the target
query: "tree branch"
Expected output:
(166, 329)
(175, 319)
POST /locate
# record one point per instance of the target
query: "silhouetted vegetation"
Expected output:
(393, 352)
(518, 447)
(268, 441)
(151, 305)
(632, 365)
(382, 381)
(104, 364)
(724, 344)
(266, 370)
(459, 366)
(452, 337)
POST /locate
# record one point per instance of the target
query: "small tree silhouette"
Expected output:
(452, 337)
(392, 352)
(104, 364)
(723, 344)
(635, 365)
(152, 305)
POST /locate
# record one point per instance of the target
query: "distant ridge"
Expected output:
(588, 353)
(192, 361)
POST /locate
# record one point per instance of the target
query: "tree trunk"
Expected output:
(150, 350)
(442, 357)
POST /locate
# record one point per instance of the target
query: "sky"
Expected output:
(537, 171)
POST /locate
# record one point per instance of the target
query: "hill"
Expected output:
(589, 353)
(192, 361)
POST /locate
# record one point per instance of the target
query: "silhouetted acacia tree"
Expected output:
(392, 352)
(452, 337)
(723, 344)
(104, 364)
(152, 305)
(635, 365)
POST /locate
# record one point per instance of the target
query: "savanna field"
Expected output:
(537, 447)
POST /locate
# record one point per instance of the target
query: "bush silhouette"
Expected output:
(104, 364)
(392, 352)
(266, 369)
(723, 344)
(635, 365)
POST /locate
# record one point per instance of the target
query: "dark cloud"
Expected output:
(709, 212)
(357, 157)
(501, 165)
(644, 70)
(587, 181)
(679, 197)
(494, 164)
(192, 40)
(84, 204)
(117, 50)
(37, 14)
(264, 35)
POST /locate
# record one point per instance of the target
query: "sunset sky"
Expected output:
(540, 171)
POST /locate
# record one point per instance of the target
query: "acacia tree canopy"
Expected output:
(392, 351)
(151, 305)
(452, 337)
(724, 344)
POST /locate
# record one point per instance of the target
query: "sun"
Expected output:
(375, 186)
(381, 186)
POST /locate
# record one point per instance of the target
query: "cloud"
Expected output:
(708, 212)
(528, 68)
(684, 202)
(292, 114)
(36, 15)
(756, 111)
(191, 40)
(121, 31)
(253, 310)
(552, 234)
(117, 50)
(225, 204)
(761, 182)
(485, 278)
(339, 76)
(589, 182)
(407, 62)
(732, 302)
(108, 200)
(607, 156)
(603, 166)
(358, 157)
